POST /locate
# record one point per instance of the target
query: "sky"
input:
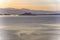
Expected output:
(31, 4)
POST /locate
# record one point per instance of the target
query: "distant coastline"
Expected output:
(23, 11)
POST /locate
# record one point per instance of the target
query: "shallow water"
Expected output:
(30, 27)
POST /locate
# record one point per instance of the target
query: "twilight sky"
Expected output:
(31, 4)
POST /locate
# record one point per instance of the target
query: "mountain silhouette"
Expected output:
(23, 10)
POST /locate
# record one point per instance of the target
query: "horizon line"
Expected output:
(31, 9)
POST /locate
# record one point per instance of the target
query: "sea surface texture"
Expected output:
(42, 27)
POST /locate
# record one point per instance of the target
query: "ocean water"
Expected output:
(43, 27)
(31, 19)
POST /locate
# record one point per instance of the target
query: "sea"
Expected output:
(28, 27)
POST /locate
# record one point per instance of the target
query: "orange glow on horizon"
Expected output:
(29, 6)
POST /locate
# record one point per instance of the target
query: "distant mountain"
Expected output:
(23, 10)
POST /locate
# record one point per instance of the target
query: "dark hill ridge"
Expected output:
(23, 10)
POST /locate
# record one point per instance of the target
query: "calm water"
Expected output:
(31, 19)
(30, 27)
